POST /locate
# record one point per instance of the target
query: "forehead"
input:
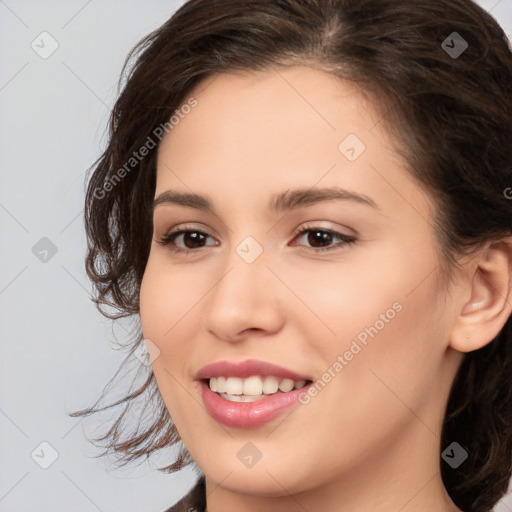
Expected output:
(254, 133)
(244, 109)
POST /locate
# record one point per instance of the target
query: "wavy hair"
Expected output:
(451, 117)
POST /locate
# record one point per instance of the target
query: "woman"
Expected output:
(306, 204)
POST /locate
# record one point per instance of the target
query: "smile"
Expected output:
(251, 393)
(252, 388)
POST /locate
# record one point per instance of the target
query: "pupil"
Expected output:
(195, 237)
(314, 238)
(321, 237)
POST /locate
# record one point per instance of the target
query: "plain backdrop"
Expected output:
(57, 352)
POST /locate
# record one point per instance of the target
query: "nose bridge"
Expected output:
(245, 272)
(243, 297)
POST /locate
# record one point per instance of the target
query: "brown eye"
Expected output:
(321, 238)
(191, 239)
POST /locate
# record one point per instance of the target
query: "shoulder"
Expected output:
(194, 501)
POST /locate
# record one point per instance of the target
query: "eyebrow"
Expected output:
(283, 202)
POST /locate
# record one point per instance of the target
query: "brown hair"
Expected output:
(452, 117)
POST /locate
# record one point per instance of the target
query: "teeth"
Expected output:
(270, 385)
(286, 385)
(251, 388)
(221, 384)
(234, 386)
(240, 398)
(299, 384)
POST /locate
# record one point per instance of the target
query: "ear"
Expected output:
(489, 288)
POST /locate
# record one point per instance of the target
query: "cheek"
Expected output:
(167, 295)
(169, 304)
(396, 358)
(348, 296)
(152, 302)
(381, 312)
(163, 307)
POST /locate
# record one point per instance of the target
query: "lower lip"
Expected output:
(248, 414)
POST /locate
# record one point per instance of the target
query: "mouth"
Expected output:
(251, 393)
(253, 388)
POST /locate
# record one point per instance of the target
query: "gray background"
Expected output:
(57, 352)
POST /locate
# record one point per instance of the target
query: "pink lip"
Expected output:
(248, 414)
(247, 369)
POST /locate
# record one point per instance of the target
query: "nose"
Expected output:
(245, 301)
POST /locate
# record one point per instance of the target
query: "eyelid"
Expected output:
(342, 230)
(185, 227)
(307, 225)
(346, 240)
(179, 230)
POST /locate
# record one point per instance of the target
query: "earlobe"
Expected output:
(484, 314)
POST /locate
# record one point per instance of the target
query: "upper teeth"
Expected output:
(254, 385)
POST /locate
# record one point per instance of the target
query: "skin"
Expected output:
(370, 439)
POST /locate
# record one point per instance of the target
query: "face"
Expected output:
(316, 254)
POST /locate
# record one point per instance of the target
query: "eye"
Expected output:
(192, 238)
(320, 237)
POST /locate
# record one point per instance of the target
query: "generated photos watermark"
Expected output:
(356, 346)
(149, 144)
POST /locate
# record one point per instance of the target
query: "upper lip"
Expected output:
(247, 368)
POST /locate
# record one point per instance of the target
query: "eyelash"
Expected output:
(168, 238)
